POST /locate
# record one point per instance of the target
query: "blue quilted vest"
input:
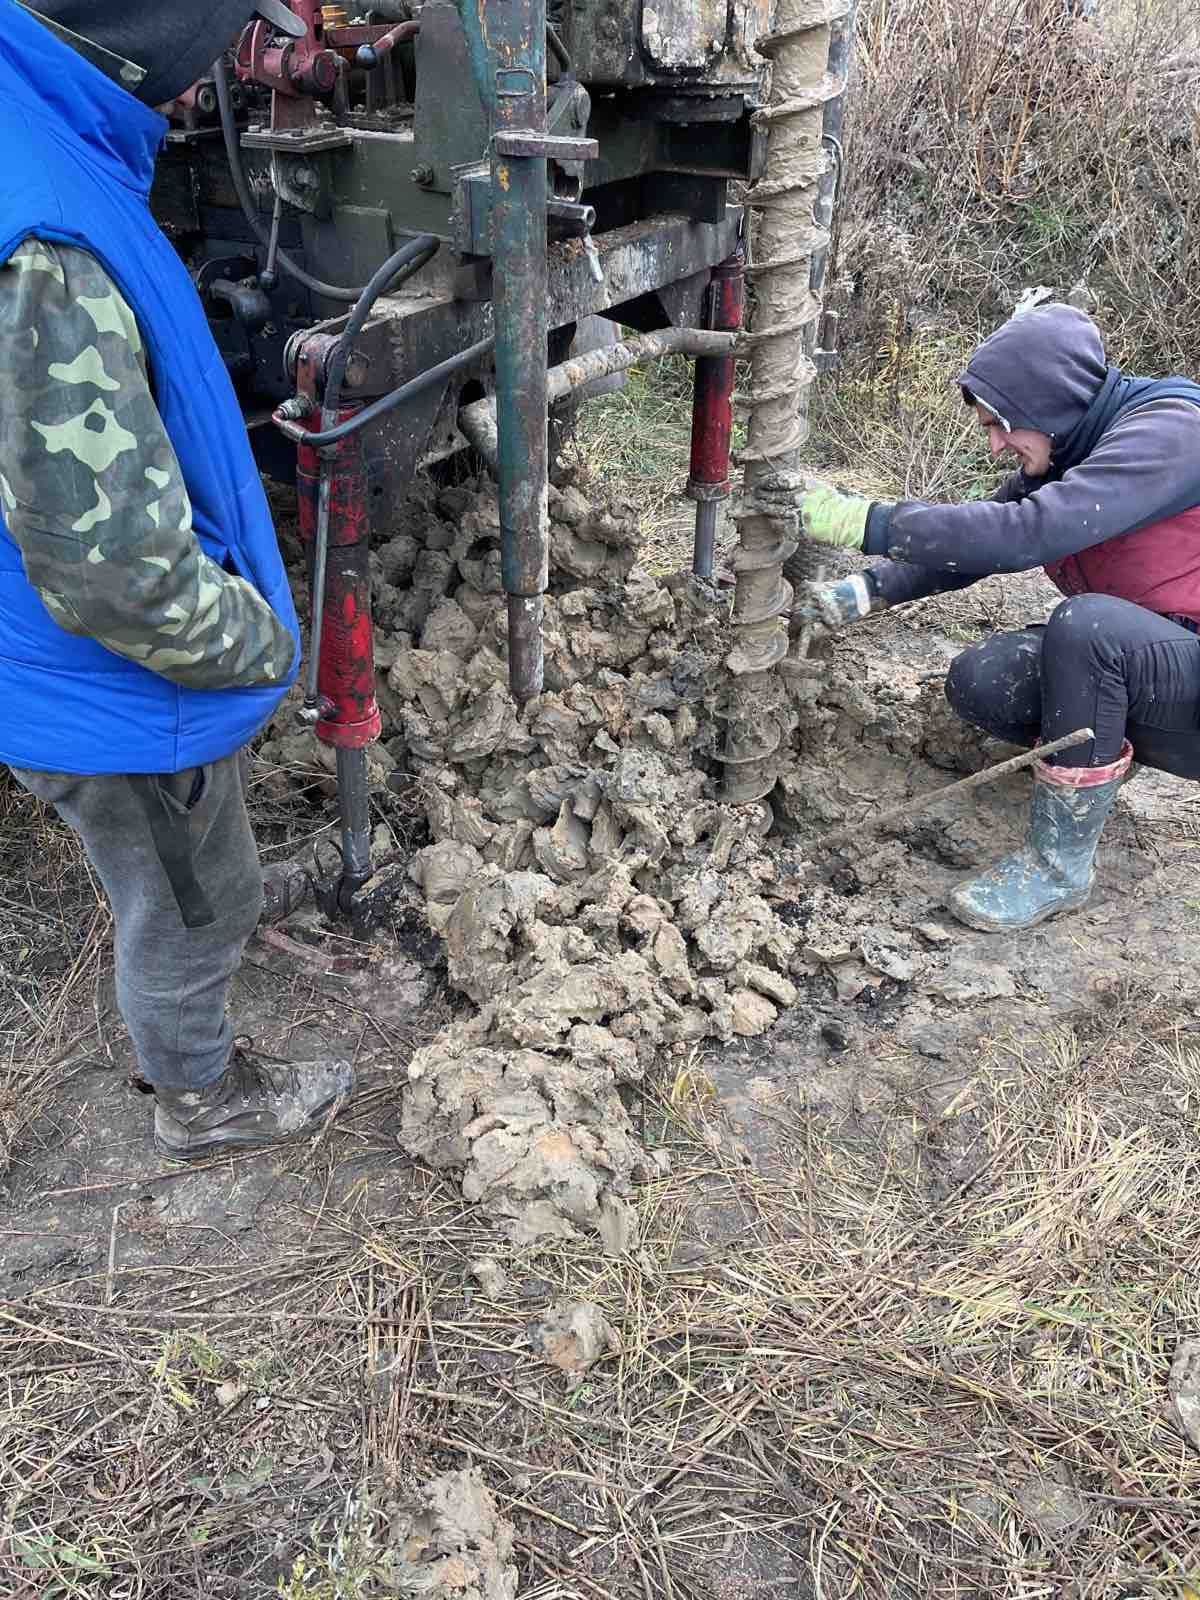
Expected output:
(78, 159)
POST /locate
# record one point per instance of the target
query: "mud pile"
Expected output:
(598, 905)
(446, 1540)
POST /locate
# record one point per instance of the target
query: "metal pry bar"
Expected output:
(912, 808)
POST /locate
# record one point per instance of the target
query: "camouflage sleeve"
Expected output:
(92, 491)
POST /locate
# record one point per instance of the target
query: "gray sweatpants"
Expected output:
(178, 862)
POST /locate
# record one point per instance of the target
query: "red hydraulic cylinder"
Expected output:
(712, 412)
(350, 716)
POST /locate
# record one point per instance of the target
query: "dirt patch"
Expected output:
(904, 1273)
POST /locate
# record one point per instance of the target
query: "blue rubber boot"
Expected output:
(1053, 870)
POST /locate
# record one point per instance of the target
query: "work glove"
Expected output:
(833, 605)
(832, 518)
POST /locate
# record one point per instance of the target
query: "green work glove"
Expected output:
(833, 605)
(832, 518)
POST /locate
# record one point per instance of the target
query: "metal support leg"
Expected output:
(350, 718)
(712, 414)
(704, 549)
(354, 800)
(517, 37)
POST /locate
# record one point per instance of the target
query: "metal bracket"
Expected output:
(471, 219)
(297, 142)
(550, 146)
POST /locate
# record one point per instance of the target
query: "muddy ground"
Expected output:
(908, 1281)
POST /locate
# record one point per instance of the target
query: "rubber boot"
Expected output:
(1053, 870)
(257, 1100)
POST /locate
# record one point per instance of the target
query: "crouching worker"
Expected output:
(1106, 499)
(146, 627)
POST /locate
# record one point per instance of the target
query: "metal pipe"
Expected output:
(478, 420)
(712, 415)
(312, 672)
(704, 546)
(370, 55)
(841, 50)
(558, 49)
(355, 803)
(508, 54)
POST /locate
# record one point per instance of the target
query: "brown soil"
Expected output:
(897, 1317)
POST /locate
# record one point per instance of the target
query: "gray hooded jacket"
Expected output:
(1125, 454)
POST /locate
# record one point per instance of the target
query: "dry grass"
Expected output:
(995, 144)
(637, 441)
(54, 932)
(864, 1369)
(901, 430)
(853, 1373)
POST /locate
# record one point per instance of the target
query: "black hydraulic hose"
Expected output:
(233, 152)
(389, 402)
(408, 259)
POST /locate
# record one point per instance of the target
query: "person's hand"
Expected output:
(832, 518)
(834, 605)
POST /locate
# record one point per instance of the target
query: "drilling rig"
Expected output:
(404, 222)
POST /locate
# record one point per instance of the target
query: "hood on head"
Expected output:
(174, 42)
(1040, 370)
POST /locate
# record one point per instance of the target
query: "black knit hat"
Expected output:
(174, 41)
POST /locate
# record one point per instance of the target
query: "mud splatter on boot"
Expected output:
(1054, 869)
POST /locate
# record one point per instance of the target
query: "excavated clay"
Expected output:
(598, 903)
(448, 1541)
(572, 1336)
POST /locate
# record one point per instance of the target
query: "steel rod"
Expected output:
(912, 808)
(841, 52)
(712, 414)
(508, 51)
(708, 513)
(355, 805)
(478, 420)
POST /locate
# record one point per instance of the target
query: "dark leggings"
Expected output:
(1098, 663)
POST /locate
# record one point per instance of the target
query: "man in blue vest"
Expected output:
(146, 627)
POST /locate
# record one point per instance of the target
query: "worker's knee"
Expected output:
(1081, 622)
(997, 686)
(971, 683)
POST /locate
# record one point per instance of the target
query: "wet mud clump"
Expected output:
(446, 1540)
(598, 904)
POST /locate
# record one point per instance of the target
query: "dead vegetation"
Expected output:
(638, 438)
(922, 1350)
(995, 145)
(923, 1353)
(54, 930)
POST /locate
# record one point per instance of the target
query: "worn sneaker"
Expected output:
(257, 1100)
